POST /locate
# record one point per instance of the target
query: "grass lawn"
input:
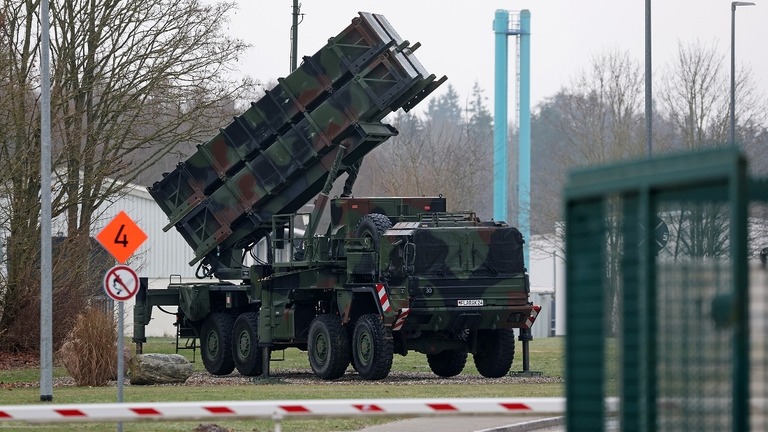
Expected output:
(546, 356)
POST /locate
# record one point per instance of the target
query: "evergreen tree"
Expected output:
(445, 109)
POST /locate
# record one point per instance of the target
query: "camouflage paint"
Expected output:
(348, 52)
(307, 83)
(177, 194)
(348, 211)
(440, 263)
(441, 276)
(221, 154)
(274, 157)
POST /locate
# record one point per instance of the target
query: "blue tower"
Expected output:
(522, 30)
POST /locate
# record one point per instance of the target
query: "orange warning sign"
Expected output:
(121, 237)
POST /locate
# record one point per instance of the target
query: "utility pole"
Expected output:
(732, 129)
(648, 81)
(295, 35)
(46, 260)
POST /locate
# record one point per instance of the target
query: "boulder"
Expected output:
(146, 369)
(211, 427)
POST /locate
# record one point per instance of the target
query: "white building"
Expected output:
(546, 270)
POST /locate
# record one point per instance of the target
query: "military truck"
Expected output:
(389, 274)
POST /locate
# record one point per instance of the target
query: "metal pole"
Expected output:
(46, 289)
(732, 132)
(554, 271)
(295, 36)
(648, 80)
(120, 350)
(740, 410)
(277, 420)
(553, 300)
(526, 337)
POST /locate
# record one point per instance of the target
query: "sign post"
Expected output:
(121, 237)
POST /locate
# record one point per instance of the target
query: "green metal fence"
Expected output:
(659, 312)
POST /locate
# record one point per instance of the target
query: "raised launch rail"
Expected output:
(277, 155)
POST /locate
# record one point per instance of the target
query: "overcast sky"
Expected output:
(458, 41)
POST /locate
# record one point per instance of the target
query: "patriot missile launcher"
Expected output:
(389, 275)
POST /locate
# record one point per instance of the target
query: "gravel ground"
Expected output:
(306, 377)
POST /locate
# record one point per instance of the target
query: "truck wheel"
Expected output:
(495, 352)
(372, 226)
(216, 344)
(328, 347)
(372, 348)
(447, 363)
(245, 350)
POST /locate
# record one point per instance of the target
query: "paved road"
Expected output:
(611, 425)
(469, 424)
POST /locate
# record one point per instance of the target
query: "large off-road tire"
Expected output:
(216, 344)
(495, 352)
(372, 226)
(447, 363)
(328, 347)
(372, 348)
(245, 351)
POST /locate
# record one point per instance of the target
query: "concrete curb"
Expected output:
(529, 425)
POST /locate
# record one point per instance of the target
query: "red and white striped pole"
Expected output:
(276, 409)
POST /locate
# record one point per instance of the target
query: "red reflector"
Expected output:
(427, 208)
(354, 205)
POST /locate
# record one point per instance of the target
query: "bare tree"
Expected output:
(602, 110)
(441, 154)
(598, 119)
(392, 168)
(128, 78)
(694, 96)
(19, 156)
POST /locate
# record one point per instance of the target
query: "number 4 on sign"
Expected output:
(121, 240)
(121, 237)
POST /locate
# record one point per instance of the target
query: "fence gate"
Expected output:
(658, 298)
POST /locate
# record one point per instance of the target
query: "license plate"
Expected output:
(471, 302)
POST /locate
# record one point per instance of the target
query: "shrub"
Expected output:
(89, 353)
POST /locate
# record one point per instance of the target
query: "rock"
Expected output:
(210, 427)
(159, 369)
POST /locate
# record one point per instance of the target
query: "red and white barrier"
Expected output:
(109, 412)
